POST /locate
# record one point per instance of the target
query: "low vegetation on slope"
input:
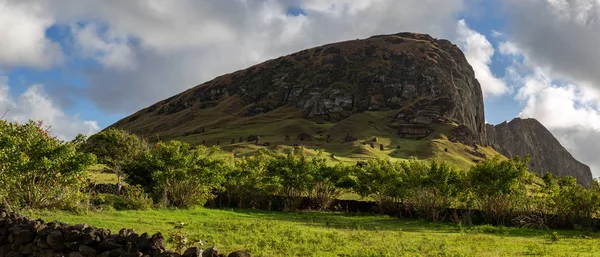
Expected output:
(41, 172)
(362, 136)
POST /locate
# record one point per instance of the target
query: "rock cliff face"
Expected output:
(528, 136)
(403, 86)
(423, 79)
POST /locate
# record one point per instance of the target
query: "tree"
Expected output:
(329, 182)
(433, 186)
(38, 170)
(573, 203)
(383, 180)
(116, 148)
(495, 182)
(178, 175)
(249, 182)
(294, 171)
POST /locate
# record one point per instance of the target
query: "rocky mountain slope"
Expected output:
(424, 80)
(528, 136)
(394, 96)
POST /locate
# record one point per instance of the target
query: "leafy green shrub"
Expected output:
(249, 182)
(554, 237)
(116, 202)
(40, 171)
(178, 175)
(180, 239)
(496, 183)
(573, 203)
(433, 186)
(98, 199)
(489, 229)
(428, 188)
(134, 198)
(329, 182)
(72, 198)
(294, 172)
(383, 180)
(116, 149)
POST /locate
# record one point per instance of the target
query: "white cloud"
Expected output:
(179, 44)
(508, 48)
(479, 51)
(112, 51)
(561, 35)
(558, 107)
(497, 34)
(22, 30)
(564, 110)
(34, 104)
(569, 110)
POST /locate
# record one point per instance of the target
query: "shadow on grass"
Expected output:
(372, 222)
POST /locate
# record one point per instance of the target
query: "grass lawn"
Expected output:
(335, 234)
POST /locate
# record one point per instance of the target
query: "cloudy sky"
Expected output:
(81, 65)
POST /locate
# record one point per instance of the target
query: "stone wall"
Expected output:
(23, 236)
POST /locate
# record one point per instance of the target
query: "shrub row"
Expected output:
(38, 171)
(504, 191)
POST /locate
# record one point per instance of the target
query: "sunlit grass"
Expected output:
(335, 234)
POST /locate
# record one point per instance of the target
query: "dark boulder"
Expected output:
(212, 251)
(192, 252)
(239, 254)
(55, 240)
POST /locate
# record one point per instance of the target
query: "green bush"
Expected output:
(177, 175)
(554, 237)
(384, 181)
(572, 202)
(133, 198)
(495, 184)
(40, 171)
(116, 149)
(292, 175)
(330, 182)
(433, 186)
(294, 172)
(136, 199)
(249, 182)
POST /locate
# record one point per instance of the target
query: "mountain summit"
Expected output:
(529, 136)
(395, 96)
(423, 79)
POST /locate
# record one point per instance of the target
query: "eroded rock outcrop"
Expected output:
(528, 136)
(425, 80)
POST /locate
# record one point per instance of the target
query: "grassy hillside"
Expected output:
(364, 127)
(334, 234)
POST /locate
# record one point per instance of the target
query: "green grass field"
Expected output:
(335, 234)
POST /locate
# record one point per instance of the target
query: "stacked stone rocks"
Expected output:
(22, 236)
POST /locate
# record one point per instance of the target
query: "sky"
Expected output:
(81, 65)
